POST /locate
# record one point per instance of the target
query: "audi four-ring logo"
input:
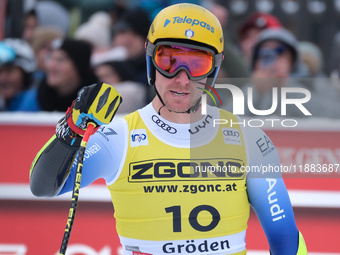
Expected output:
(231, 133)
(163, 125)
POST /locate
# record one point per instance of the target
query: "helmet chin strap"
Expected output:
(191, 109)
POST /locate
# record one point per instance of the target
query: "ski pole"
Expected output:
(76, 188)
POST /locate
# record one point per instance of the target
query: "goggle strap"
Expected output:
(150, 47)
(218, 59)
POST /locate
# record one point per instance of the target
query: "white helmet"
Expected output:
(17, 52)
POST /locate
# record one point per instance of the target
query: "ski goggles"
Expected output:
(170, 57)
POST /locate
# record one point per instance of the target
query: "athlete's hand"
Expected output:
(97, 103)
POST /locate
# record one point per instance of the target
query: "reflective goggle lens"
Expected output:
(172, 57)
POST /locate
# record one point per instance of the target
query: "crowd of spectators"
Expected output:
(56, 56)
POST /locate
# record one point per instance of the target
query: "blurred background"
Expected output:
(50, 49)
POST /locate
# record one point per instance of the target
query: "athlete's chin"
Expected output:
(179, 109)
(182, 108)
(180, 105)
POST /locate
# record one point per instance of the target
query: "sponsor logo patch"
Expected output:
(138, 137)
(189, 33)
(232, 136)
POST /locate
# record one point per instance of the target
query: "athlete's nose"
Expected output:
(182, 78)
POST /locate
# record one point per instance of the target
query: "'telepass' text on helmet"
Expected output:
(189, 22)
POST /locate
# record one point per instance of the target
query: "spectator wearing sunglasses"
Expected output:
(276, 63)
(274, 58)
(155, 160)
(283, 45)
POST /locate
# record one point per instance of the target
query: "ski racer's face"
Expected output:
(179, 93)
